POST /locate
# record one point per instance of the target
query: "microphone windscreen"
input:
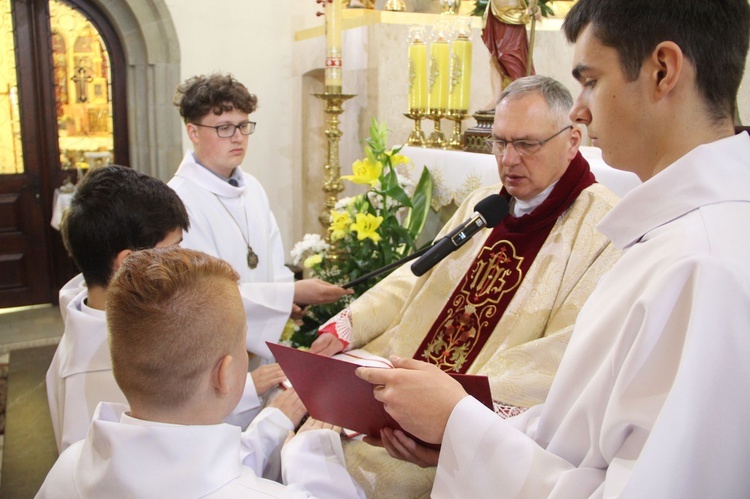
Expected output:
(493, 208)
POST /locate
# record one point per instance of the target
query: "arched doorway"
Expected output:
(145, 131)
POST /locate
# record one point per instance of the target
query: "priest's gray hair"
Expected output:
(555, 94)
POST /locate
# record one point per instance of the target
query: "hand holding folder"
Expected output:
(333, 393)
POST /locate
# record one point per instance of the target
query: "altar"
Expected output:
(375, 70)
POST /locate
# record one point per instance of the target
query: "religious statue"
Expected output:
(504, 34)
(359, 4)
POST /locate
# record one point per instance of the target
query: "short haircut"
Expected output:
(713, 36)
(172, 313)
(216, 93)
(113, 209)
(555, 94)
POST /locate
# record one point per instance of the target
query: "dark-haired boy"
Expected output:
(114, 212)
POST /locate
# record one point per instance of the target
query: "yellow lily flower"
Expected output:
(289, 329)
(312, 260)
(398, 159)
(365, 171)
(340, 222)
(367, 226)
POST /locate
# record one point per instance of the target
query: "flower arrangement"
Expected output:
(367, 231)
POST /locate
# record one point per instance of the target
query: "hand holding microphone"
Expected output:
(487, 213)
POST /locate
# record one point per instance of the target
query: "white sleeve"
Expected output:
(314, 460)
(248, 407)
(483, 455)
(267, 308)
(261, 442)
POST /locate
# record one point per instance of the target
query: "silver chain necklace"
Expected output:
(252, 256)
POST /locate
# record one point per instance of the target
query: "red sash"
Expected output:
(471, 314)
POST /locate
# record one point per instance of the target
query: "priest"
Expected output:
(504, 304)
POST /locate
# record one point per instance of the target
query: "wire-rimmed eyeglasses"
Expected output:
(524, 147)
(226, 131)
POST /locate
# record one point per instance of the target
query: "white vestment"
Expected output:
(524, 349)
(126, 457)
(650, 399)
(223, 220)
(80, 376)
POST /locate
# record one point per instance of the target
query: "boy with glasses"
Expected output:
(230, 216)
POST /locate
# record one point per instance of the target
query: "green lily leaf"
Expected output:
(420, 202)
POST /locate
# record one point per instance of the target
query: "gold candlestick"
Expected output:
(437, 139)
(456, 116)
(332, 184)
(416, 137)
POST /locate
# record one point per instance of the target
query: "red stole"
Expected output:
(471, 314)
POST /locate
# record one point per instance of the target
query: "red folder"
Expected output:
(334, 394)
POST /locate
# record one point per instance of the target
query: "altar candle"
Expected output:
(439, 74)
(418, 75)
(333, 45)
(460, 89)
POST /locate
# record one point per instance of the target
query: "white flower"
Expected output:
(344, 204)
(311, 244)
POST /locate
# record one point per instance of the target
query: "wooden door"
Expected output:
(25, 277)
(42, 147)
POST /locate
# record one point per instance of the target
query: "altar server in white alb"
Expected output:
(114, 212)
(650, 399)
(230, 216)
(177, 336)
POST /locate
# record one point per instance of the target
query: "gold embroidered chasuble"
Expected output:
(523, 352)
(481, 297)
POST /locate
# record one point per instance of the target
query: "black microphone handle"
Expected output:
(437, 252)
(386, 268)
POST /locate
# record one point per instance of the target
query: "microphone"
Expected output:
(385, 268)
(487, 213)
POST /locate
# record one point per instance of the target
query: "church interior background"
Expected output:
(89, 82)
(133, 53)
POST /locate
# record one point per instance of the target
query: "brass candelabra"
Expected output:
(332, 184)
(437, 138)
(417, 137)
(456, 116)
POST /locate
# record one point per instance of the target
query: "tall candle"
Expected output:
(417, 69)
(460, 91)
(333, 46)
(439, 73)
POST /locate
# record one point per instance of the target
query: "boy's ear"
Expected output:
(220, 374)
(665, 66)
(192, 132)
(120, 258)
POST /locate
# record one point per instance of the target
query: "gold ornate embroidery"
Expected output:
(497, 271)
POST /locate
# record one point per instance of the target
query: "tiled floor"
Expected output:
(29, 327)
(25, 328)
